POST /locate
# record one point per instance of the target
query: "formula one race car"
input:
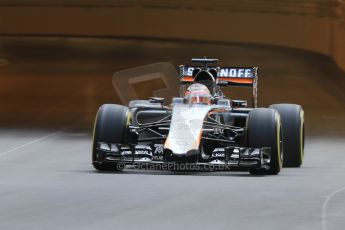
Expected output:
(201, 129)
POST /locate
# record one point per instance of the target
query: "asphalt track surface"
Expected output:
(50, 89)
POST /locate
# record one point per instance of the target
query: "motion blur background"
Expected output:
(57, 57)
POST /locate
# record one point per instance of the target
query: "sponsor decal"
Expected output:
(158, 152)
(142, 152)
(157, 158)
(218, 131)
(231, 72)
(241, 73)
(158, 149)
(218, 154)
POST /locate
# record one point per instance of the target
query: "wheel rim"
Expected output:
(281, 148)
(280, 142)
(302, 133)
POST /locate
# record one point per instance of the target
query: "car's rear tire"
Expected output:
(264, 130)
(292, 118)
(110, 127)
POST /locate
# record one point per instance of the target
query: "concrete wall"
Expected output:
(338, 37)
(317, 26)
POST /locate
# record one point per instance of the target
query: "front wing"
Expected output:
(221, 158)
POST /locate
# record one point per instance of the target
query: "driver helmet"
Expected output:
(198, 94)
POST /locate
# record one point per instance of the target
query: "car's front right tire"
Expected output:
(110, 127)
(292, 117)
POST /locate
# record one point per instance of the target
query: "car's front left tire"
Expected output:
(264, 130)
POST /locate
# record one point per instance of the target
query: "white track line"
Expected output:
(38, 140)
(324, 207)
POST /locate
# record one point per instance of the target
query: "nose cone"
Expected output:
(185, 128)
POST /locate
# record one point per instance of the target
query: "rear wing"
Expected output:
(236, 76)
(226, 76)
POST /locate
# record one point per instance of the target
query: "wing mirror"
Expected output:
(239, 103)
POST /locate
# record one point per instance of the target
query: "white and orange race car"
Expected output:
(201, 129)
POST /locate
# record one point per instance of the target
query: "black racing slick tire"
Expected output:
(292, 118)
(110, 127)
(264, 130)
